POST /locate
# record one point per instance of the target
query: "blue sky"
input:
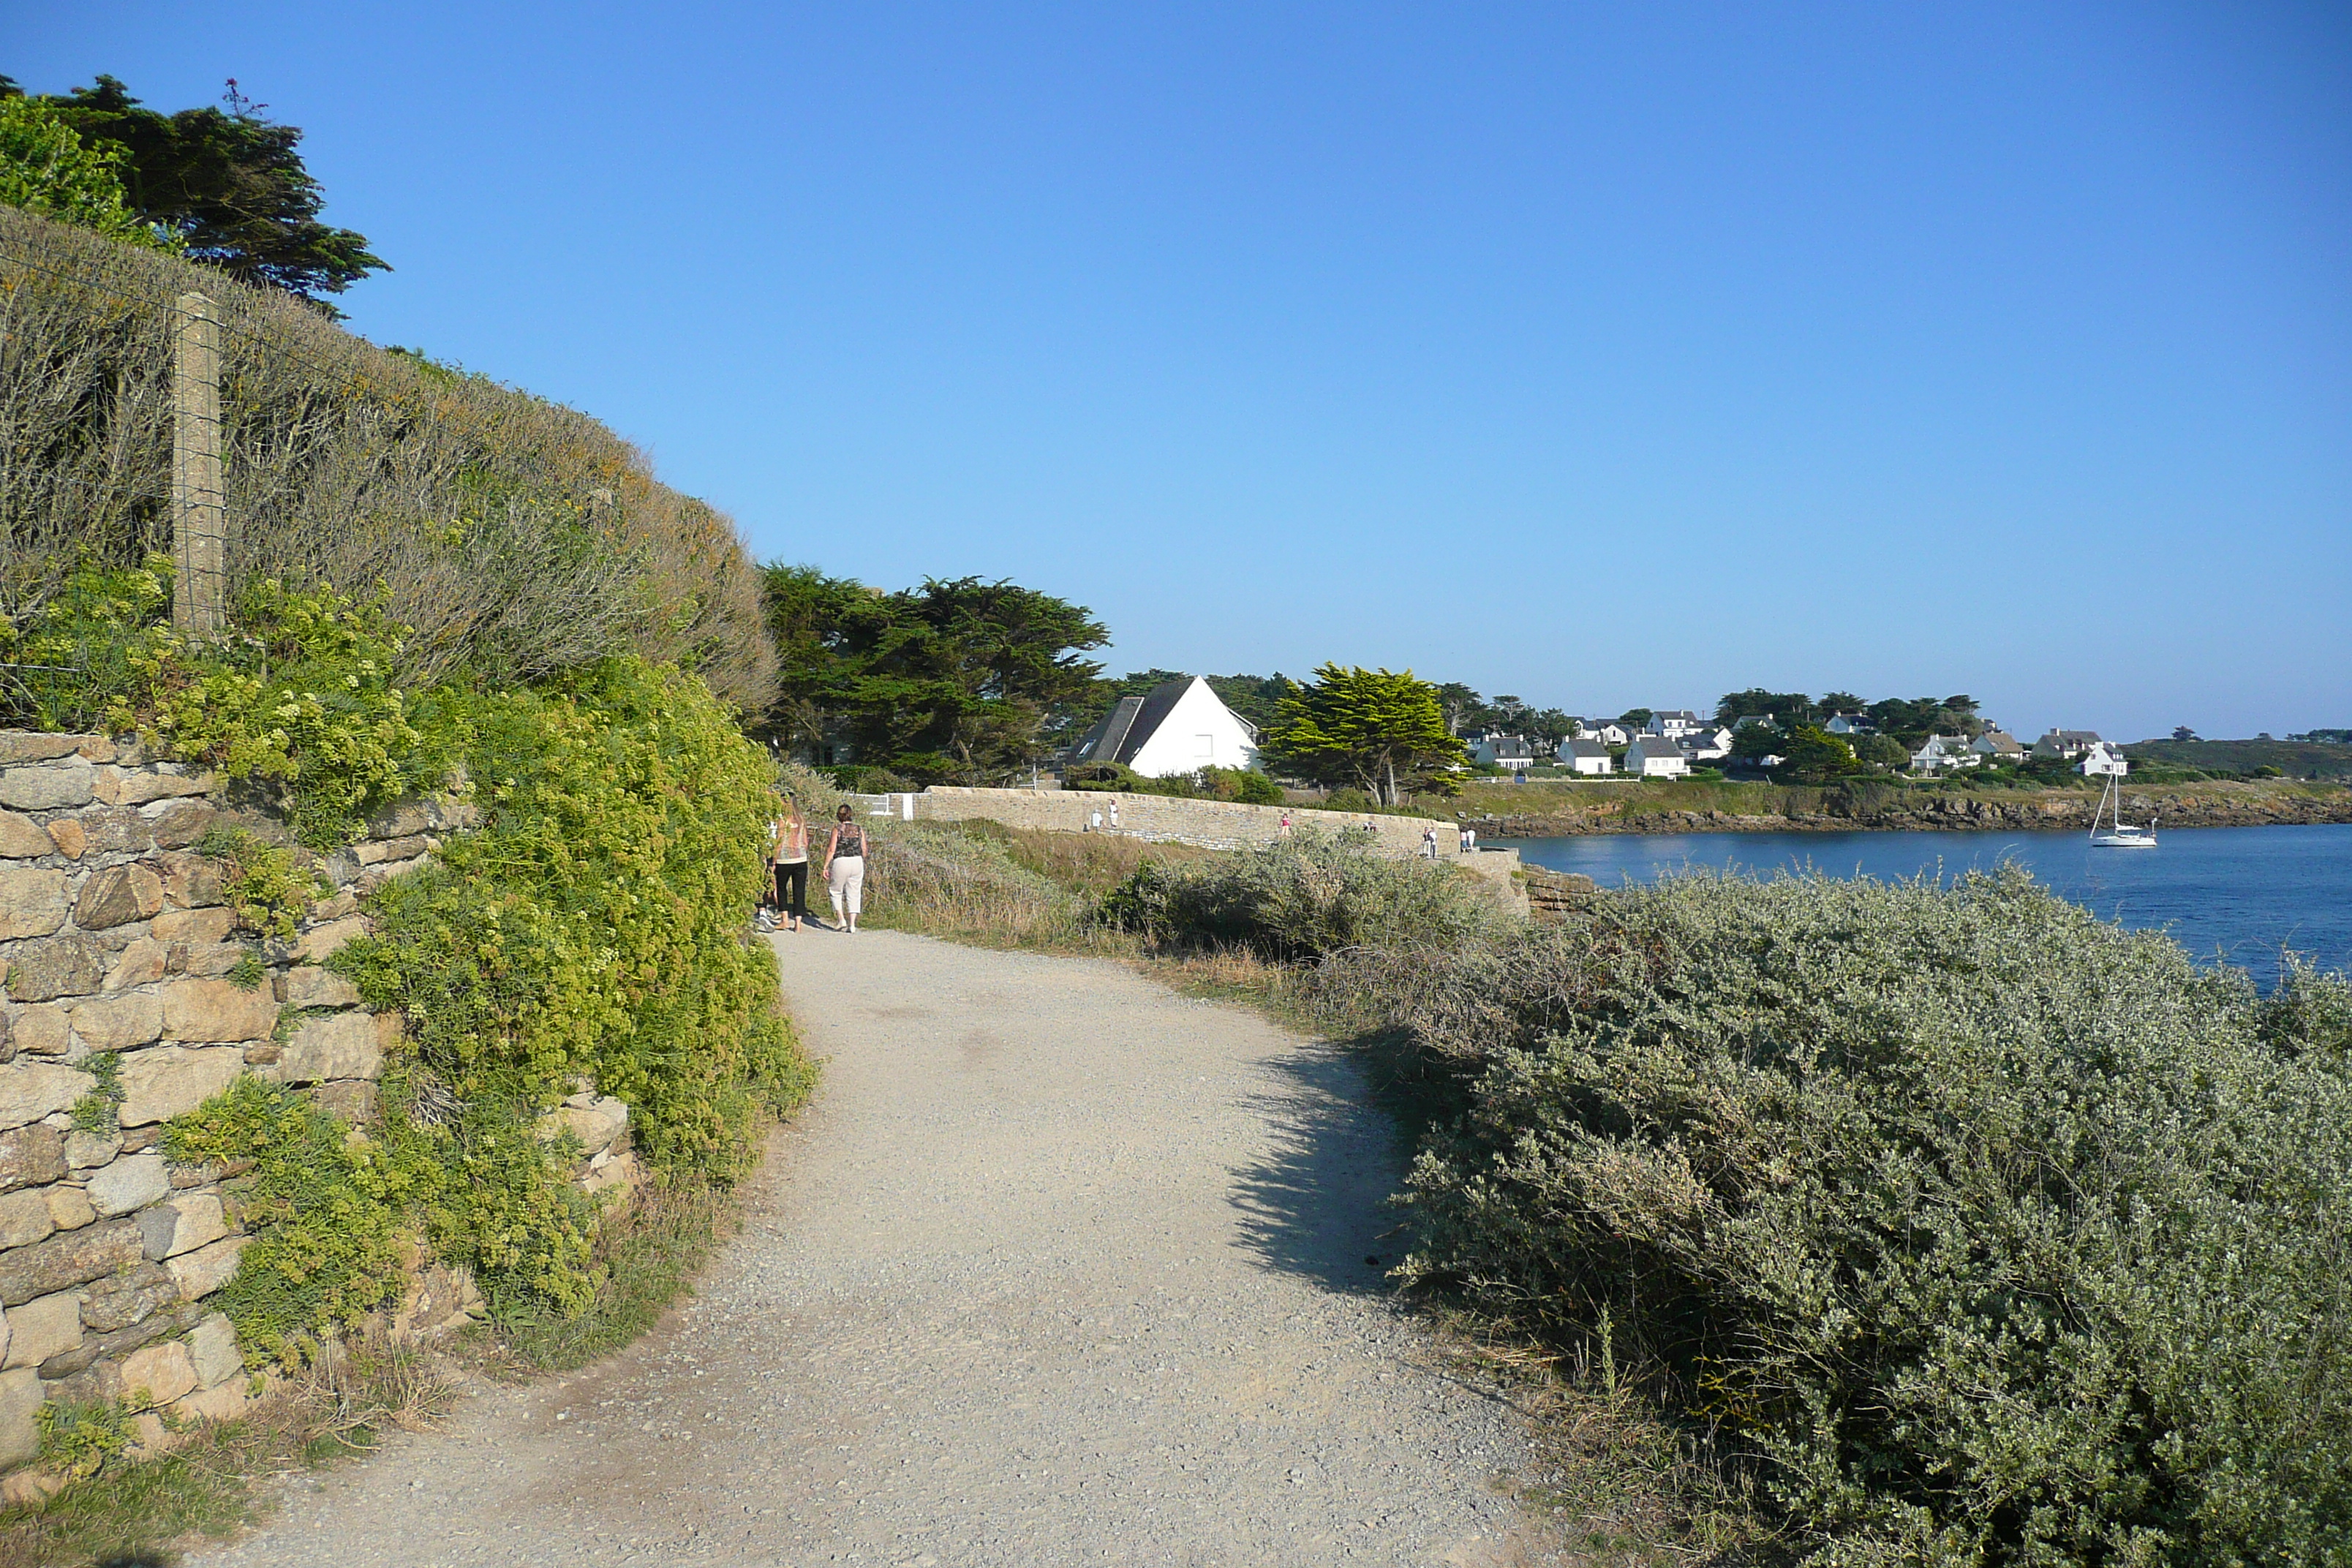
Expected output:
(1603, 355)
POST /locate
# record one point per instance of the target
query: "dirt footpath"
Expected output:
(1060, 1269)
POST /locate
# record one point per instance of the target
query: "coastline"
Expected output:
(2211, 804)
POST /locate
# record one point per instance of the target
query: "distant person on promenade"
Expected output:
(1429, 841)
(1462, 839)
(1094, 820)
(1369, 826)
(1285, 822)
(789, 852)
(1114, 813)
(844, 870)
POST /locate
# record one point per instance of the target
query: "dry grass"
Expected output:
(130, 1514)
(1086, 863)
(519, 538)
(991, 886)
(1618, 1485)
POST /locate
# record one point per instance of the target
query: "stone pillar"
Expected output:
(198, 503)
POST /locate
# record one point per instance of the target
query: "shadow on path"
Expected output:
(1317, 1205)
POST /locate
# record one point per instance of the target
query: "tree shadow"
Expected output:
(1316, 1204)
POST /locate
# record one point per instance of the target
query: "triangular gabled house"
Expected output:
(1177, 727)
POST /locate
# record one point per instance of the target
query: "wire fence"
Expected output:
(518, 538)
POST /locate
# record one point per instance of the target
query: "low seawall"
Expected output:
(1171, 819)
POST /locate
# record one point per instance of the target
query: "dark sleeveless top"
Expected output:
(850, 839)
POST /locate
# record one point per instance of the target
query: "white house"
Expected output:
(1941, 752)
(1513, 752)
(1177, 727)
(1997, 745)
(1586, 757)
(1672, 723)
(1608, 731)
(1707, 743)
(2103, 759)
(2065, 744)
(1655, 757)
(1847, 724)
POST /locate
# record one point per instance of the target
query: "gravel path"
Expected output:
(1061, 1269)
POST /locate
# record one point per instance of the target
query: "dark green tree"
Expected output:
(952, 682)
(1549, 724)
(47, 168)
(1786, 707)
(1464, 709)
(1754, 742)
(1381, 731)
(1840, 702)
(1882, 751)
(1813, 755)
(1912, 720)
(1635, 717)
(229, 183)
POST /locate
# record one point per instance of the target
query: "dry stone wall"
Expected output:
(124, 969)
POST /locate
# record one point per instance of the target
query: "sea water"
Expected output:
(2238, 894)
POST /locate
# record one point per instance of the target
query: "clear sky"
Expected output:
(1598, 354)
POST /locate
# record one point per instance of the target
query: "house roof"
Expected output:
(2073, 737)
(1675, 713)
(2000, 741)
(1587, 748)
(1129, 727)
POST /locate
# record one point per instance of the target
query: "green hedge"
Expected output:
(1987, 1231)
(593, 931)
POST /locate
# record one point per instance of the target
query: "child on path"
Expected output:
(789, 852)
(844, 870)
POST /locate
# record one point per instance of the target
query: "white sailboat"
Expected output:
(2118, 834)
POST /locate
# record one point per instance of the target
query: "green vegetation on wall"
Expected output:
(591, 932)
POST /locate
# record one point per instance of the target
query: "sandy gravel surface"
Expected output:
(1061, 1269)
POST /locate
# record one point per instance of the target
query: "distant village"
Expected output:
(1182, 725)
(1675, 742)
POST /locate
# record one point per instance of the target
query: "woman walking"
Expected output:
(844, 870)
(790, 853)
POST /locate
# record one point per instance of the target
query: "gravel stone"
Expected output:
(1061, 1269)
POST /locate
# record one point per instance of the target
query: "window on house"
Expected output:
(1204, 745)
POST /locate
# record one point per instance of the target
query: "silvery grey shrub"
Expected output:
(1988, 1232)
(1307, 896)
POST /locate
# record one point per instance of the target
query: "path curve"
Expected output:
(1061, 1267)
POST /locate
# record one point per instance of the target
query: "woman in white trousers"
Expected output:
(844, 870)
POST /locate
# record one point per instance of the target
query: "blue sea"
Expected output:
(2239, 894)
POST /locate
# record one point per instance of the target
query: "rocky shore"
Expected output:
(2209, 804)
